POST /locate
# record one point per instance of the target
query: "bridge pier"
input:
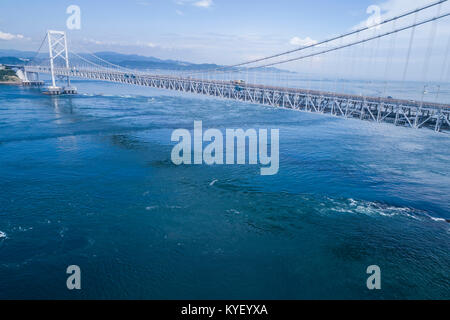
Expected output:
(32, 79)
(57, 43)
(56, 91)
(70, 90)
(53, 91)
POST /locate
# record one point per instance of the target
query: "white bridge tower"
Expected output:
(57, 45)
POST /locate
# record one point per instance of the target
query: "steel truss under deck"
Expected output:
(411, 114)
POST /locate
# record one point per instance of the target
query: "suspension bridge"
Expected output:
(369, 49)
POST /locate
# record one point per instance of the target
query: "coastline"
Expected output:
(12, 83)
(9, 77)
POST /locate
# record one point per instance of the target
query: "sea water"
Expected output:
(88, 180)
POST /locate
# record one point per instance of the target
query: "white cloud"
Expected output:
(296, 41)
(196, 3)
(203, 3)
(10, 36)
(101, 42)
(107, 43)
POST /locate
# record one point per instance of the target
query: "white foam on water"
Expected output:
(373, 208)
(3, 235)
(370, 208)
(24, 229)
(233, 211)
(213, 182)
(437, 219)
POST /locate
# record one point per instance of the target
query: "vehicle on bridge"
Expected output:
(239, 84)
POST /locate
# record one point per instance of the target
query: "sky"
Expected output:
(199, 31)
(222, 31)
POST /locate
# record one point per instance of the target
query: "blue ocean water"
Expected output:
(87, 180)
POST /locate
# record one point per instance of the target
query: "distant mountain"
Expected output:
(131, 61)
(13, 60)
(115, 57)
(8, 56)
(16, 53)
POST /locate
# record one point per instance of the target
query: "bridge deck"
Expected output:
(410, 113)
(413, 103)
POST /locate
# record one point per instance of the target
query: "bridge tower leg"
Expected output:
(57, 44)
